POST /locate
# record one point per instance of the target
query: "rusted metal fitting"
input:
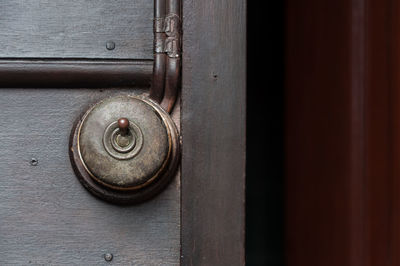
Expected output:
(167, 52)
(170, 41)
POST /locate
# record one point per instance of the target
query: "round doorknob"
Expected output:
(125, 149)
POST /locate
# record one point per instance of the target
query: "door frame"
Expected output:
(213, 132)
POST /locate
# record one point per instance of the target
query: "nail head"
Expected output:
(108, 256)
(110, 45)
(34, 162)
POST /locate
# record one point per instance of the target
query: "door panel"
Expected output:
(213, 132)
(76, 29)
(46, 215)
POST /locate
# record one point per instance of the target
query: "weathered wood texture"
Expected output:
(76, 29)
(47, 217)
(213, 128)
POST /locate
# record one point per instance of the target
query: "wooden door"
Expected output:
(59, 58)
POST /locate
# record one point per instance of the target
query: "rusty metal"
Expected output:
(171, 83)
(125, 180)
(172, 28)
(157, 86)
(158, 79)
(167, 52)
(173, 69)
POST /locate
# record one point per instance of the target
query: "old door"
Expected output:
(90, 90)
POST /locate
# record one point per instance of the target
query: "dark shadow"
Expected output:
(265, 135)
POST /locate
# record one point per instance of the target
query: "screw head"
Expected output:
(110, 45)
(34, 162)
(108, 256)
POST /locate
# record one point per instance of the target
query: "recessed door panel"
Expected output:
(121, 29)
(46, 216)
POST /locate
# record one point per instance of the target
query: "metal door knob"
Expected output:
(125, 149)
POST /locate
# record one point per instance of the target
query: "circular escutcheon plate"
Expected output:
(125, 167)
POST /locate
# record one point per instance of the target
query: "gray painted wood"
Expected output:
(74, 73)
(76, 28)
(46, 216)
(213, 130)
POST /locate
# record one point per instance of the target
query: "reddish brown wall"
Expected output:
(342, 124)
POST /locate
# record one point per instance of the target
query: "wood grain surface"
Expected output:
(76, 29)
(47, 217)
(213, 128)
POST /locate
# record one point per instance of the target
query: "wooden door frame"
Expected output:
(213, 132)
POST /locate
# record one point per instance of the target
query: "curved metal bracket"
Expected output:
(167, 52)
